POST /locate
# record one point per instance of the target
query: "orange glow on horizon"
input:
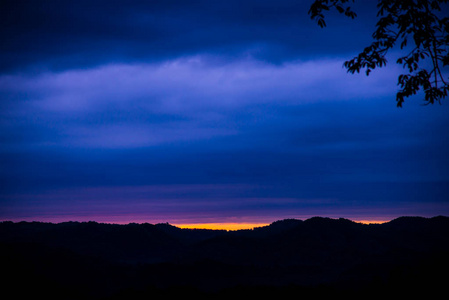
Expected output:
(372, 221)
(239, 226)
(221, 226)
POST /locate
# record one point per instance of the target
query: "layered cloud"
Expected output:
(186, 99)
(207, 110)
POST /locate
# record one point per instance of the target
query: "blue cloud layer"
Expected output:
(169, 110)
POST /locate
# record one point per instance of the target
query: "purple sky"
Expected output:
(207, 111)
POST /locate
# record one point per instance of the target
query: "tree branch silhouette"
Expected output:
(399, 22)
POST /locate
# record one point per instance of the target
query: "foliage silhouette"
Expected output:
(420, 30)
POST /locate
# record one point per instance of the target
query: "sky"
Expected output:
(194, 112)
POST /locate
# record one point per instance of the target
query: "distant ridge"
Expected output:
(274, 223)
(107, 258)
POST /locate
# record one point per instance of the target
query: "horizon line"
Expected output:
(228, 226)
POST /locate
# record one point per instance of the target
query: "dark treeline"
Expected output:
(318, 256)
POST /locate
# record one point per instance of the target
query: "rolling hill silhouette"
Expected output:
(91, 260)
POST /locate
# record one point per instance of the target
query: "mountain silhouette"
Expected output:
(92, 260)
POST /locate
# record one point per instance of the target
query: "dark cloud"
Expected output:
(59, 35)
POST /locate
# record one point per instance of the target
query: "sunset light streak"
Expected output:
(221, 226)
